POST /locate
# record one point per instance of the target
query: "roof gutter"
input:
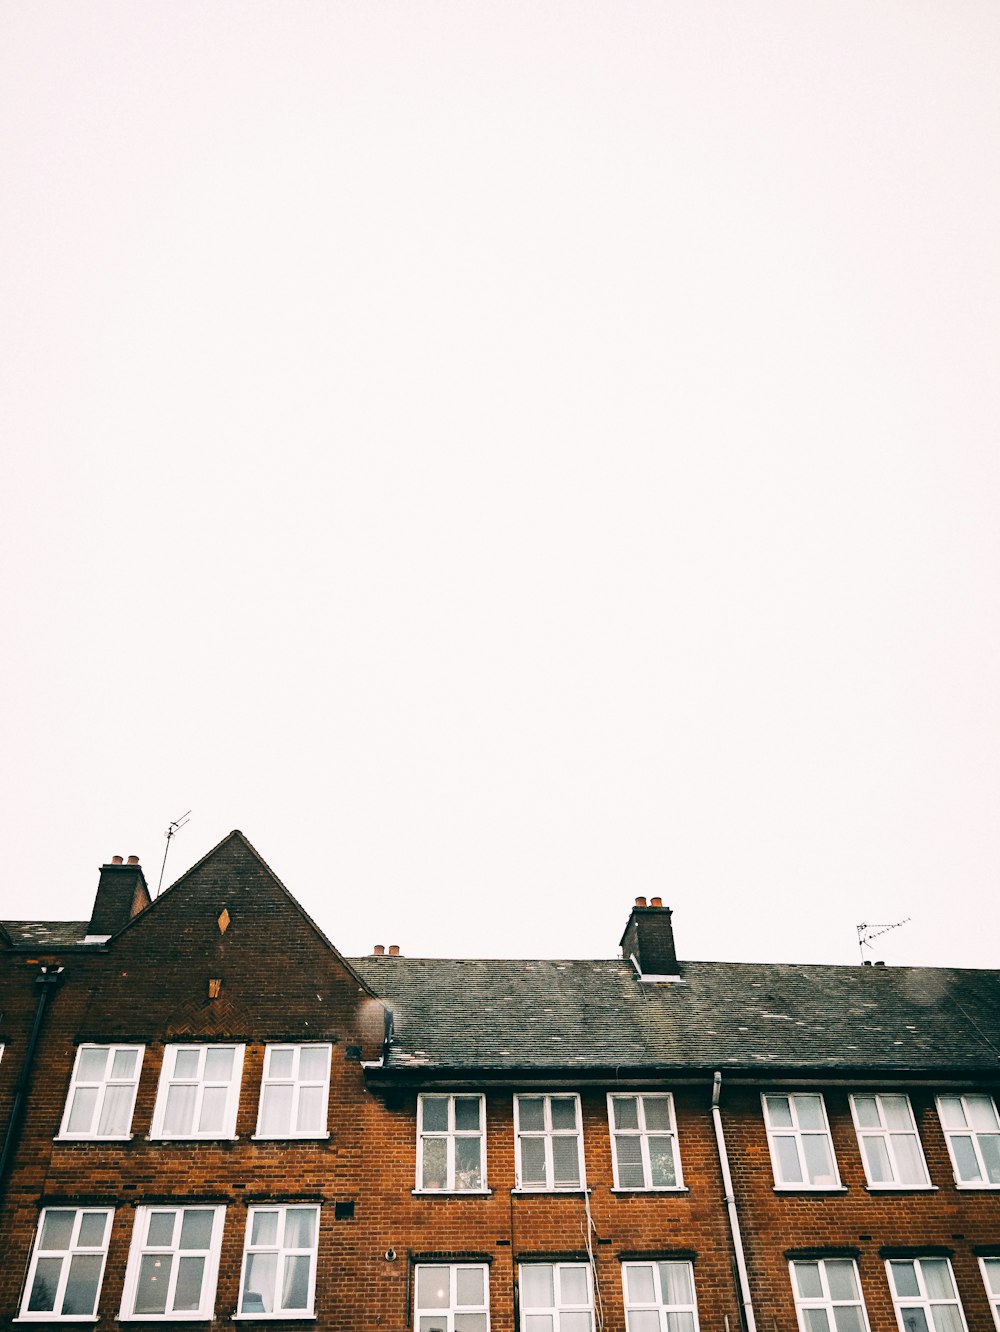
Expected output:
(734, 1221)
(48, 978)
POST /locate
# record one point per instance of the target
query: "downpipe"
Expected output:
(48, 978)
(734, 1220)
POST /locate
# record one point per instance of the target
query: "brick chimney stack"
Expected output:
(121, 894)
(649, 939)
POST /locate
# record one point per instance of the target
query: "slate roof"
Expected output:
(46, 933)
(512, 1016)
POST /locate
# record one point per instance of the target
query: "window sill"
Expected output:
(810, 1188)
(79, 1137)
(981, 1187)
(901, 1188)
(533, 1193)
(55, 1318)
(192, 1137)
(452, 1193)
(274, 1318)
(167, 1318)
(666, 1188)
(290, 1137)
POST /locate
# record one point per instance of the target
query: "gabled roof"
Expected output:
(510, 1016)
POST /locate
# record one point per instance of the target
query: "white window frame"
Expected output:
(451, 1136)
(558, 1307)
(922, 1301)
(547, 1134)
(887, 1136)
(447, 1315)
(297, 1085)
(140, 1248)
(826, 1301)
(102, 1086)
(990, 1268)
(168, 1080)
(984, 1182)
(283, 1252)
(644, 1134)
(659, 1305)
(66, 1256)
(797, 1134)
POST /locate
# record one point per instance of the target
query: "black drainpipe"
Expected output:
(48, 978)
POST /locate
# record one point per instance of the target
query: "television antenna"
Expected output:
(175, 827)
(867, 932)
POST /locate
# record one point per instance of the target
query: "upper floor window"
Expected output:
(279, 1262)
(887, 1136)
(102, 1092)
(450, 1143)
(556, 1297)
(199, 1092)
(828, 1296)
(452, 1298)
(659, 1297)
(64, 1279)
(972, 1131)
(549, 1142)
(801, 1146)
(991, 1275)
(294, 1092)
(924, 1294)
(173, 1263)
(645, 1141)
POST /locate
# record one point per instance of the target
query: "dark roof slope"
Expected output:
(525, 1015)
(46, 933)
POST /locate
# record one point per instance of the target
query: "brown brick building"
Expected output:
(210, 1115)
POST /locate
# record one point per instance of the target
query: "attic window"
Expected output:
(224, 920)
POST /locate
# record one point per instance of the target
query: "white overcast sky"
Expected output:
(507, 458)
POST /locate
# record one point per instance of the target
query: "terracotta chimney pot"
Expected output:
(379, 950)
(394, 950)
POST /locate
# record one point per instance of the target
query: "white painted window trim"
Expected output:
(797, 1133)
(167, 1080)
(986, 1265)
(284, 1252)
(886, 1135)
(644, 1134)
(826, 1301)
(659, 1305)
(548, 1134)
(450, 1135)
(297, 1084)
(923, 1300)
(140, 1247)
(66, 1255)
(447, 1316)
(77, 1084)
(973, 1134)
(558, 1307)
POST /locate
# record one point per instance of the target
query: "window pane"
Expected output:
(81, 1115)
(810, 1111)
(92, 1228)
(213, 1110)
(295, 1289)
(778, 1111)
(435, 1164)
(819, 1162)
(629, 1154)
(816, 1320)
(123, 1064)
(643, 1320)
(116, 1112)
(639, 1285)
(789, 1170)
(435, 1113)
(847, 1318)
(43, 1288)
(914, 1320)
(675, 1283)
(300, 1227)
(433, 1287)
(657, 1112)
(219, 1064)
(990, 1148)
(186, 1062)
(538, 1323)
(574, 1322)
(536, 1285)
(563, 1112)
(311, 1110)
(661, 1163)
(937, 1279)
(469, 1288)
(151, 1289)
(468, 1174)
(965, 1160)
(187, 1295)
(573, 1286)
(467, 1112)
(313, 1062)
(276, 1108)
(92, 1065)
(626, 1112)
(897, 1112)
(951, 1111)
(946, 1318)
(57, 1232)
(991, 1267)
(877, 1160)
(280, 1062)
(808, 1281)
(904, 1278)
(841, 1279)
(982, 1113)
(160, 1230)
(178, 1115)
(470, 1322)
(909, 1159)
(434, 1323)
(680, 1322)
(565, 1161)
(258, 1286)
(264, 1229)
(866, 1112)
(531, 1113)
(533, 1160)
(196, 1229)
